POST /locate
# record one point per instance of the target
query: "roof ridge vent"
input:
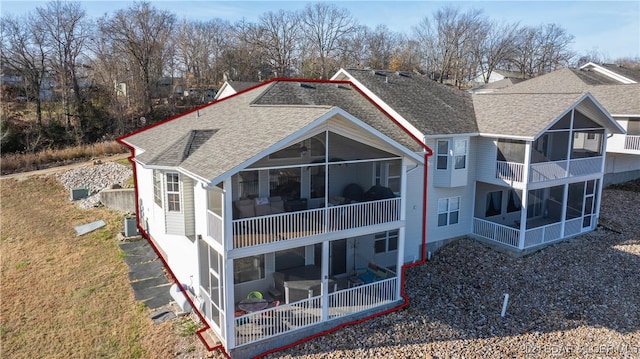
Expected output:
(402, 74)
(379, 73)
(306, 86)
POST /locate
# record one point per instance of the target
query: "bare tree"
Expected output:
(382, 44)
(66, 29)
(448, 39)
(279, 39)
(243, 59)
(355, 48)
(199, 46)
(142, 32)
(494, 46)
(23, 51)
(324, 26)
(542, 49)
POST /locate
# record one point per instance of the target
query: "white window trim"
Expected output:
(386, 237)
(168, 192)
(448, 211)
(438, 155)
(458, 154)
(157, 187)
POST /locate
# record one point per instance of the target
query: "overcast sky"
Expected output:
(612, 28)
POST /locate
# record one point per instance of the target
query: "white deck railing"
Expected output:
(510, 171)
(214, 226)
(284, 226)
(632, 142)
(542, 234)
(496, 232)
(585, 166)
(285, 318)
(532, 237)
(545, 171)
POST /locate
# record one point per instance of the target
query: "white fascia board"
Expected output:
(441, 135)
(625, 115)
(380, 135)
(612, 74)
(602, 109)
(511, 137)
(388, 109)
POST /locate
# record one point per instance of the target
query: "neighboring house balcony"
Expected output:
(545, 215)
(555, 155)
(545, 171)
(624, 144)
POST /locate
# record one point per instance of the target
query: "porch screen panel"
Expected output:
(511, 151)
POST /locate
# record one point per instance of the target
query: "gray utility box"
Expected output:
(79, 193)
(130, 227)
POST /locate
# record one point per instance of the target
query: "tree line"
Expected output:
(104, 76)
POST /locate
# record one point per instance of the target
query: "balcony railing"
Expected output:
(286, 318)
(509, 171)
(632, 142)
(532, 237)
(272, 228)
(545, 171)
(496, 232)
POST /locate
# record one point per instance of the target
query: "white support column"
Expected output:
(525, 194)
(227, 216)
(229, 299)
(400, 262)
(325, 281)
(565, 198)
(228, 285)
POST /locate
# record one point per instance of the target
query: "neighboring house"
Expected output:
(301, 191)
(498, 75)
(496, 85)
(229, 88)
(618, 90)
(521, 170)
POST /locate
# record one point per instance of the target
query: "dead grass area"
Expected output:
(65, 296)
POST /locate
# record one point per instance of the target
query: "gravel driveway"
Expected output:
(578, 298)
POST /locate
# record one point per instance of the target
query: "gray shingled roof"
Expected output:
(341, 95)
(524, 115)
(243, 131)
(431, 107)
(215, 139)
(618, 99)
(615, 97)
(239, 86)
(626, 72)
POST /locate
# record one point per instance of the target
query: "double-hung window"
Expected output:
(157, 187)
(173, 192)
(460, 154)
(448, 211)
(442, 154)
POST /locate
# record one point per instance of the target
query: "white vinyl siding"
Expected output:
(188, 206)
(486, 159)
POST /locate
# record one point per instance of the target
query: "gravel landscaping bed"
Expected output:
(578, 298)
(95, 178)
